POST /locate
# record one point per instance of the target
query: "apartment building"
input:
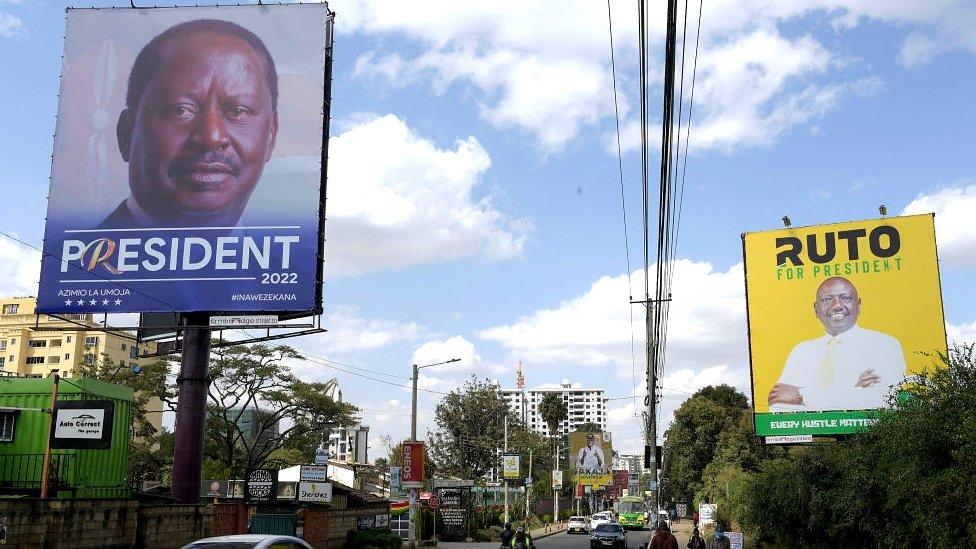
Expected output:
(28, 352)
(582, 406)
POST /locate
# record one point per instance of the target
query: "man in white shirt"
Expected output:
(590, 458)
(848, 368)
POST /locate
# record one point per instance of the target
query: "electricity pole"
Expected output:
(505, 480)
(414, 493)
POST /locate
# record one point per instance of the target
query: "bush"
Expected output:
(484, 535)
(377, 538)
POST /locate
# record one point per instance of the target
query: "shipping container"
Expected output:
(25, 423)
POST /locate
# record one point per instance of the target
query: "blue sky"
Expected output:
(474, 202)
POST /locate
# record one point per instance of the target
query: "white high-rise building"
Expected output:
(582, 406)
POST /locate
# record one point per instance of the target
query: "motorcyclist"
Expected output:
(507, 535)
(522, 539)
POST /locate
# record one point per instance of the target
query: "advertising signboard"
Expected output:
(313, 473)
(83, 424)
(591, 452)
(187, 171)
(317, 492)
(832, 329)
(510, 466)
(262, 485)
(706, 513)
(396, 482)
(413, 465)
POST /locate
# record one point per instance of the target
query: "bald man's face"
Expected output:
(204, 127)
(837, 305)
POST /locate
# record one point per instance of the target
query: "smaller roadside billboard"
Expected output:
(511, 466)
(591, 451)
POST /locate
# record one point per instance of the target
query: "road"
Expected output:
(558, 541)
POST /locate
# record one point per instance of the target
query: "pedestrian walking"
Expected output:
(696, 541)
(719, 541)
(663, 538)
(694, 518)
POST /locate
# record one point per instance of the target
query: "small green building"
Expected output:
(90, 449)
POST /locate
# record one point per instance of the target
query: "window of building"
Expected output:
(89, 359)
(68, 339)
(3, 344)
(55, 343)
(123, 345)
(7, 420)
(134, 352)
(10, 309)
(35, 360)
(2, 360)
(54, 359)
(12, 358)
(13, 341)
(91, 341)
(67, 356)
(37, 343)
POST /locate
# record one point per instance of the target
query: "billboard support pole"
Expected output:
(191, 411)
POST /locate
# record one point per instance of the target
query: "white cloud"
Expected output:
(955, 231)
(11, 26)
(19, 269)
(961, 333)
(706, 327)
(447, 349)
(756, 78)
(397, 200)
(349, 332)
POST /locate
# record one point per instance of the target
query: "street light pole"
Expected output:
(414, 495)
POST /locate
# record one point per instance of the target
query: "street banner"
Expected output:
(187, 170)
(839, 315)
(511, 466)
(591, 452)
(557, 479)
(313, 473)
(412, 473)
(396, 483)
(682, 510)
(735, 540)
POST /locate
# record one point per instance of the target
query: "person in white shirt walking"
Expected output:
(848, 368)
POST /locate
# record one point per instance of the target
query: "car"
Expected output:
(577, 525)
(598, 519)
(608, 535)
(249, 541)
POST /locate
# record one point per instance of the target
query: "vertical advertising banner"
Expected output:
(591, 452)
(412, 472)
(557, 479)
(839, 315)
(187, 167)
(511, 466)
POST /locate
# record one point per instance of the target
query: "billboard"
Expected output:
(591, 452)
(839, 314)
(187, 172)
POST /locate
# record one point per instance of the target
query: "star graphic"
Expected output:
(118, 301)
(67, 302)
(92, 302)
(104, 302)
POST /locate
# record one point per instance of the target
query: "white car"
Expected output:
(249, 541)
(598, 519)
(577, 525)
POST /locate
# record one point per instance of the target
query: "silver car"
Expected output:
(249, 541)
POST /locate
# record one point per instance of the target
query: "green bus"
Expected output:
(631, 512)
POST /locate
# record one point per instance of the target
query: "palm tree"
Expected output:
(553, 412)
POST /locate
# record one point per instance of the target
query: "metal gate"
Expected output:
(283, 525)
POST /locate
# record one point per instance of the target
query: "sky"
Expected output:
(474, 195)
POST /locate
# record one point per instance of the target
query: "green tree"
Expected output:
(552, 408)
(692, 440)
(286, 409)
(470, 429)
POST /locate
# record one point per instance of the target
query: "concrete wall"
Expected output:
(83, 524)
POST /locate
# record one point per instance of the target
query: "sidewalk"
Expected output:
(548, 530)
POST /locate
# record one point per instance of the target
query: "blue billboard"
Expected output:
(187, 172)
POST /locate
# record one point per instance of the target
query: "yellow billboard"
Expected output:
(839, 315)
(592, 453)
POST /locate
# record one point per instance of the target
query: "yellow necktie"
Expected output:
(828, 365)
